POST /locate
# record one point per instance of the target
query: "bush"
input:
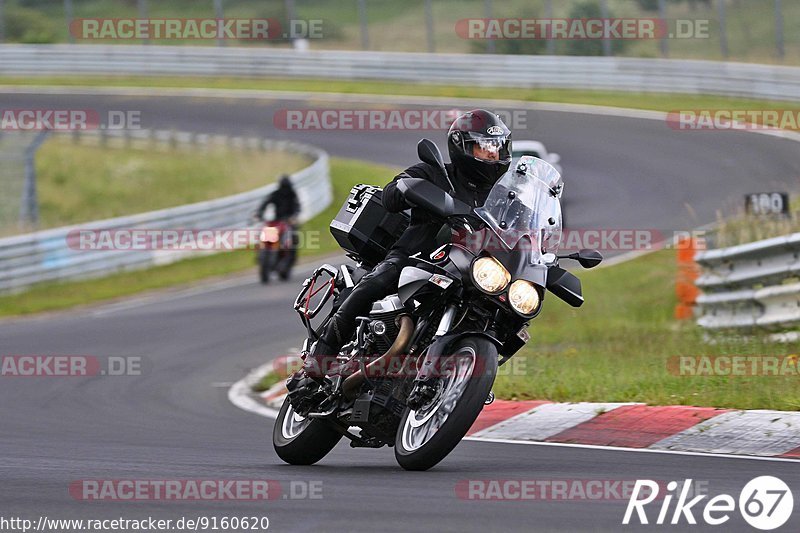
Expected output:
(25, 25)
(514, 46)
(591, 47)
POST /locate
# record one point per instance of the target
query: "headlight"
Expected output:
(490, 275)
(524, 297)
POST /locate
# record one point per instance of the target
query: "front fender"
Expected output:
(440, 347)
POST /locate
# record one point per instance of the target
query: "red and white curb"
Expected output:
(630, 425)
(635, 426)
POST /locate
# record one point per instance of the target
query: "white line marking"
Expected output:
(239, 393)
(641, 450)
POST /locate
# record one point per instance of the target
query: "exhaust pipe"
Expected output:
(353, 382)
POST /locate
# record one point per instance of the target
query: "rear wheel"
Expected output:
(426, 436)
(302, 441)
(266, 258)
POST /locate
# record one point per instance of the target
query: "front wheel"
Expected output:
(465, 380)
(302, 441)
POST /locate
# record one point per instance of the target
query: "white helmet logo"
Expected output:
(495, 130)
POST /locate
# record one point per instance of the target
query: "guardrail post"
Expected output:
(779, 29)
(487, 13)
(68, 15)
(362, 18)
(219, 14)
(2, 21)
(30, 203)
(142, 8)
(290, 17)
(604, 13)
(723, 34)
(429, 26)
(662, 14)
(548, 14)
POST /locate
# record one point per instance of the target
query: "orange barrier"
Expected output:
(688, 271)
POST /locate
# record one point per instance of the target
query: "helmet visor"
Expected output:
(489, 149)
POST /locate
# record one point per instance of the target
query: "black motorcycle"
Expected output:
(420, 367)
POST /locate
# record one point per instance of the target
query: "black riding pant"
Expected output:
(379, 283)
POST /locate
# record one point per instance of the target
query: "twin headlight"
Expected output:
(491, 276)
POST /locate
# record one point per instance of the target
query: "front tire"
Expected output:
(427, 436)
(300, 441)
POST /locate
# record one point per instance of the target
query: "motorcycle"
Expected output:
(420, 367)
(276, 250)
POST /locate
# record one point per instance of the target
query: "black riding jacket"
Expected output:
(421, 234)
(285, 201)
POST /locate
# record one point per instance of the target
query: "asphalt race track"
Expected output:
(175, 421)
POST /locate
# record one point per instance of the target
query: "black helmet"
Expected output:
(479, 144)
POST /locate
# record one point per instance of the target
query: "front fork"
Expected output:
(424, 390)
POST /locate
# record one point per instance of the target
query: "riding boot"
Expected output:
(316, 364)
(320, 360)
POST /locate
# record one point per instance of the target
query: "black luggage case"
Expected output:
(364, 228)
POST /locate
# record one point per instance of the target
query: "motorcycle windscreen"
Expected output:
(524, 203)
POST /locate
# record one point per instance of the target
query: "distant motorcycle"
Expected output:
(421, 365)
(276, 250)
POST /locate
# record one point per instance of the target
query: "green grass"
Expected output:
(616, 347)
(265, 383)
(63, 295)
(400, 26)
(741, 228)
(78, 183)
(651, 101)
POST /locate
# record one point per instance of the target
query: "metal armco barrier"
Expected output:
(751, 286)
(600, 73)
(46, 255)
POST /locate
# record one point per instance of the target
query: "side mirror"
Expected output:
(586, 257)
(429, 153)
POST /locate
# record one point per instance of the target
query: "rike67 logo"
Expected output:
(765, 503)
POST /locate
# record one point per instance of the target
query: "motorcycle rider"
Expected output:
(287, 207)
(284, 198)
(479, 145)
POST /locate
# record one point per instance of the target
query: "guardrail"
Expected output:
(47, 255)
(751, 286)
(599, 73)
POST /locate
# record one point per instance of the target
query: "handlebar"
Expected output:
(423, 194)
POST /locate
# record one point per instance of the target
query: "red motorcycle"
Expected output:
(277, 250)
